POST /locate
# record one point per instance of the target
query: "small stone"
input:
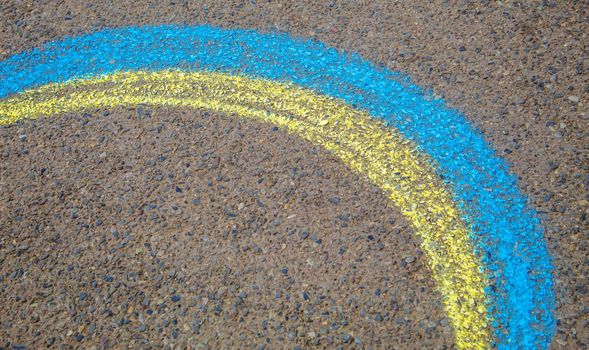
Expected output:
(175, 298)
(409, 259)
(346, 338)
(83, 296)
(315, 239)
(196, 326)
(142, 112)
(334, 200)
(304, 234)
(561, 341)
(574, 98)
(284, 271)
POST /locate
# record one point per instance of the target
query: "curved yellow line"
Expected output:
(364, 144)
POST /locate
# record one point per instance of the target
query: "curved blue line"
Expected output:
(507, 232)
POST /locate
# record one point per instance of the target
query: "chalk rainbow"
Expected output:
(484, 245)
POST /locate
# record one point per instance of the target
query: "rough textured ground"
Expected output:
(115, 216)
(518, 70)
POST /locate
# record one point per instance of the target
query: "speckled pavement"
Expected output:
(136, 179)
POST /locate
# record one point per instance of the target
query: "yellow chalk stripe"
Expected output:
(363, 143)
